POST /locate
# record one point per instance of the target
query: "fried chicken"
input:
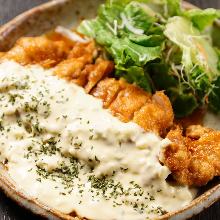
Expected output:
(193, 158)
(2, 54)
(129, 100)
(107, 90)
(101, 69)
(130, 103)
(77, 66)
(79, 50)
(71, 69)
(37, 50)
(156, 115)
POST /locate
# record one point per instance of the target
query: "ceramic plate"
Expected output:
(35, 22)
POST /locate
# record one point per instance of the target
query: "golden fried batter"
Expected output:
(38, 50)
(193, 159)
(2, 54)
(156, 115)
(128, 101)
(76, 67)
(107, 90)
(80, 49)
(101, 69)
(71, 69)
(196, 131)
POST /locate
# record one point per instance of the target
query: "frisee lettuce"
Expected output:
(159, 46)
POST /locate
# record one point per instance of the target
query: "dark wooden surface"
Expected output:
(8, 209)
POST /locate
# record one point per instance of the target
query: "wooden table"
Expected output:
(8, 209)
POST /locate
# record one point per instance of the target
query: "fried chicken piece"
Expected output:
(193, 162)
(2, 54)
(124, 100)
(128, 101)
(107, 90)
(72, 69)
(80, 49)
(162, 101)
(78, 66)
(156, 115)
(196, 131)
(81, 79)
(37, 50)
(82, 72)
(101, 69)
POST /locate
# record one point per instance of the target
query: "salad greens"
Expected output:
(158, 45)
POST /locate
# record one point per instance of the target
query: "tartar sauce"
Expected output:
(61, 147)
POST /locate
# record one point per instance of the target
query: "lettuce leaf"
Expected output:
(195, 47)
(127, 53)
(214, 96)
(138, 16)
(200, 83)
(215, 33)
(199, 65)
(137, 75)
(121, 27)
(183, 103)
(183, 100)
(159, 46)
(147, 40)
(202, 18)
(173, 7)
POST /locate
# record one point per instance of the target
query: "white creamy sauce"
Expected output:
(63, 148)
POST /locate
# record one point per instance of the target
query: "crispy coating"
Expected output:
(156, 115)
(107, 90)
(37, 50)
(77, 66)
(80, 49)
(128, 101)
(101, 69)
(193, 159)
(71, 69)
(2, 54)
(196, 131)
(82, 72)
